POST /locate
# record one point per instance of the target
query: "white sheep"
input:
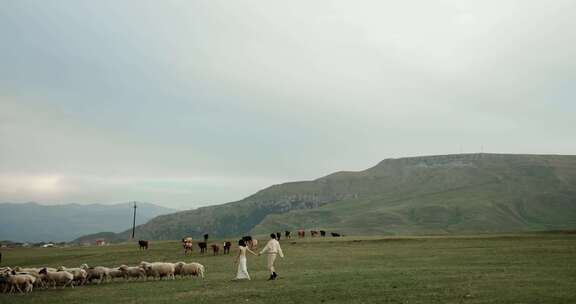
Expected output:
(117, 273)
(80, 275)
(31, 269)
(194, 269)
(39, 282)
(98, 273)
(158, 269)
(57, 277)
(133, 272)
(15, 281)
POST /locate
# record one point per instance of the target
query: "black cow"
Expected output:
(334, 234)
(322, 233)
(143, 244)
(288, 234)
(203, 247)
(278, 235)
(227, 246)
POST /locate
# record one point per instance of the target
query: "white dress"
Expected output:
(242, 268)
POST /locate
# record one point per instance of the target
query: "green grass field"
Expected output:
(524, 268)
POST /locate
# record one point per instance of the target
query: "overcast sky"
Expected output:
(191, 103)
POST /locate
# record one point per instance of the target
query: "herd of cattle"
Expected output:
(188, 243)
(24, 280)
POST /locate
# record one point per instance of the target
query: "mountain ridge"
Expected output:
(422, 194)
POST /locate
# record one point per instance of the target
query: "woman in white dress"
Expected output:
(242, 273)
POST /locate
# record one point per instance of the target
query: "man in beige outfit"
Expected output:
(272, 249)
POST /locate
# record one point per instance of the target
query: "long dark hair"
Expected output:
(242, 243)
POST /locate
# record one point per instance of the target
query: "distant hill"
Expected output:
(417, 195)
(33, 222)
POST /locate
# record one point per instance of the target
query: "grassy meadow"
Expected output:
(523, 268)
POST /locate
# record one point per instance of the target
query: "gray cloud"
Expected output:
(187, 103)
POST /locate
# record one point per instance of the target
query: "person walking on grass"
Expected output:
(272, 249)
(242, 273)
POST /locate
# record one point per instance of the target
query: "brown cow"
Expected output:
(143, 244)
(314, 233)
(301, 233)
(215, 249)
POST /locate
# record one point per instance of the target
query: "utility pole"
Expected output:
(134, 221)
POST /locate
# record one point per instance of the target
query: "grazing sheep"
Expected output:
(158, 269)
(80, 275)
(20, 269)
(35, 272)
(15, 281)
(40, 281)
(191, 269)
(57, 277)
(143, 265)
(133, 272)
(115, 273)
(98, 273)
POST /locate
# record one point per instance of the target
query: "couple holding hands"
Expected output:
(272, 248)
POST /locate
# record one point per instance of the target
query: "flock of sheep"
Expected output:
(24, 280)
